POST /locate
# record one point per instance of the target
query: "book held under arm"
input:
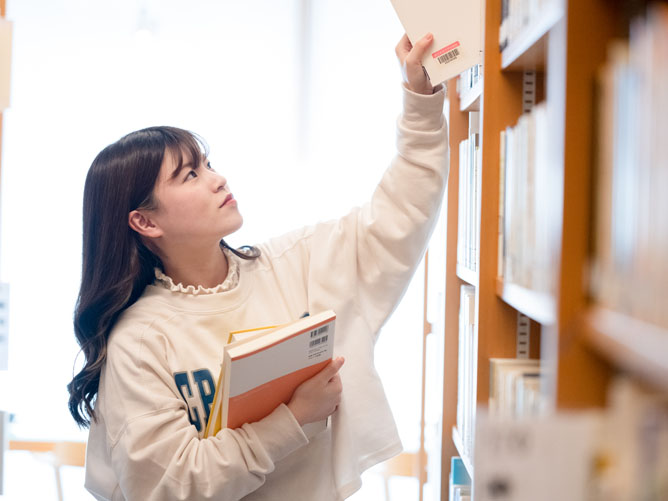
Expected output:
(261, 369)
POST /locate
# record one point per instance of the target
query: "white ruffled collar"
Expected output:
(230, 282)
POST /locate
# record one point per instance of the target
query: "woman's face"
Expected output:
(195, 205)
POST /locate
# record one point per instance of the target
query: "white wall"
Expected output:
(296, 145)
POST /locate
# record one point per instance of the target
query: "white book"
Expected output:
(497, 368)
(457, 29)
(510, 211)
(261, 371)
(461, 206)
(502, 205)
(5, 61)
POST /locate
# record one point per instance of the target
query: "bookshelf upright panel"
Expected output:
(576, 361)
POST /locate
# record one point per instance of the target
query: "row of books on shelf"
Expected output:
(629, 265)
(470, 162)
(619, 453)
(459, 481)
(517, 16)
(468, 83)
(467, 369)
(514, 392)
(469, 78)
(515, 383)
(518, 446)
(515, 387)
(527, 225)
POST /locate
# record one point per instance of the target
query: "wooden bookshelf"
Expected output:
(527, 51)
(467, 275)
(538, 306)
(458, 131)
(575, 341)
(572, 85)
(470, 100)
(635, 346)
(459, 445)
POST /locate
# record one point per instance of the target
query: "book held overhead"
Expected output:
(457, 30)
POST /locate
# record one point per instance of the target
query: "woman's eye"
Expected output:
(191, 174)
(208, 166)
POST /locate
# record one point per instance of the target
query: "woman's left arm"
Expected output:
(371, 254)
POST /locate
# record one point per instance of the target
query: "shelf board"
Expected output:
(459, 445)
(527, 50)
(467, 275)
(470, 100)
(539, 306)
(631, 344)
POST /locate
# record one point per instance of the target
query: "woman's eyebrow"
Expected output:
(187, 165)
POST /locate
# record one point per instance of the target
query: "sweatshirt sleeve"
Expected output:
(156, 454)
(376, 248)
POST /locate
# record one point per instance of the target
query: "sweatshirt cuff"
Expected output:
(422, 110)
(280, 433)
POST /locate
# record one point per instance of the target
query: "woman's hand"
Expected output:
(410, 58)
(318, 397)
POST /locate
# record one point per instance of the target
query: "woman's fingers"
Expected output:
(410, 57)
(416, 53)
(403, 48)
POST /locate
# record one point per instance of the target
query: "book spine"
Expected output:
(630, 271)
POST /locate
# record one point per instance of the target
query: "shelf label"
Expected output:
(546, 458)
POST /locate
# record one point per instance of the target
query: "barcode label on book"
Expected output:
(316, 342)
(318, 332)
(447, 54)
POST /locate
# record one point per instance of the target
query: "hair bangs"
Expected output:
(186, 148)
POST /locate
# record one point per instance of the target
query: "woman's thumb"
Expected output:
(330, 371)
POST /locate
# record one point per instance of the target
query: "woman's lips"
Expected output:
(229, 199)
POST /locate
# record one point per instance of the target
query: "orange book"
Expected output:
(262, 370)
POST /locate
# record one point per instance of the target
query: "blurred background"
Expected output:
(297, 100)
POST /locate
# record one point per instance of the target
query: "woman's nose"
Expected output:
(219, 182)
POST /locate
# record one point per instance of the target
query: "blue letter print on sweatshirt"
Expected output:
(200, 404)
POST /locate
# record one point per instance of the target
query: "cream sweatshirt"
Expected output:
(164, 353)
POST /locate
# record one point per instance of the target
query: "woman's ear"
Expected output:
(143, 224)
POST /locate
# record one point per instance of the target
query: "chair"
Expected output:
(406, 464)
(56, 453)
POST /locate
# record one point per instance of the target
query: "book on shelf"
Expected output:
(459, 480)
(468, 80)
(632, 452)
(466, 369)
(546, 458)
(514, 387)
(262, 367)
(629, 271)
(6, 28)
(526, 229)
(457, 30)
(475, 160)
(616, 453)
(518, 16)
(470, 161)
(501, 253)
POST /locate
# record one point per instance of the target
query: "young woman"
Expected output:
(160, 291)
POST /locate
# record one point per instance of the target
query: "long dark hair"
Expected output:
(117, 266)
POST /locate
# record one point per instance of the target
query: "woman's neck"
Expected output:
(188, 266)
